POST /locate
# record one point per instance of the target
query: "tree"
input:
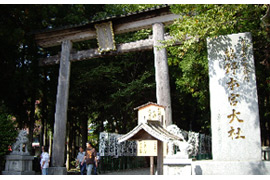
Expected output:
(8, 133)
(19, 66)
(202, 21)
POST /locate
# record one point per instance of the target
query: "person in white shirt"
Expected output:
(44, 162)
(79, 160)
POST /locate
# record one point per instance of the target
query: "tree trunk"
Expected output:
(32, 122)
(73, 143)
(44, 110)
(267, 124)
(50, 143)
(84, 129)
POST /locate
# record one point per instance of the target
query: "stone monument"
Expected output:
(19, 162)
(235, 124)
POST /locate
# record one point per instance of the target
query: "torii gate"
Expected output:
(154, 17)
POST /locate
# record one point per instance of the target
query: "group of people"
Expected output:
(87, 160)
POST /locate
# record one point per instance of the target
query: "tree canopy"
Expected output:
(202, 21)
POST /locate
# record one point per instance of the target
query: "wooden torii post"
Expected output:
(154, 18)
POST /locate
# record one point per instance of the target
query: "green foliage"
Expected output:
(119, 9)
(189, 61)
(8, 133)
(112, 88)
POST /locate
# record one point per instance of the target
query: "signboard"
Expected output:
(151, 112)
(147, 148)
(105, 37)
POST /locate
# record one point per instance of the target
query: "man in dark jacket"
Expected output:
(90, 157)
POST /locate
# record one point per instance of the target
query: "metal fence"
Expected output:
(109, 146)
(205, 147)
(118, 156)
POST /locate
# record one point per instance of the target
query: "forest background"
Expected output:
(104, 91)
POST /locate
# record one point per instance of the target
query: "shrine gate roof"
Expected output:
(121, 24)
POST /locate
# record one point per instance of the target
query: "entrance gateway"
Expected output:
(234, 113)
(104, 31)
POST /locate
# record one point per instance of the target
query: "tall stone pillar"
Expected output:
(59, 136)
(233, 99)
(162, 72)
(235, 124)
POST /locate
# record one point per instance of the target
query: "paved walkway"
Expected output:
(140, 171)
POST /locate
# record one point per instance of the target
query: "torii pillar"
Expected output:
(59, 136)
(162, 84)
(162, 72)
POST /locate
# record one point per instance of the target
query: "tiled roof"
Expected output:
(149, 103)
(114, 17)
(149, 131)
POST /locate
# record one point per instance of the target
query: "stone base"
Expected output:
(18, 165)
(57, 171)
(211, 167)
(176, 166)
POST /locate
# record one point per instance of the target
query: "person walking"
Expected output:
(96, 164)
(79, 159)
(44, 162)
(90, 157)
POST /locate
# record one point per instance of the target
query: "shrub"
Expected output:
(8, 134)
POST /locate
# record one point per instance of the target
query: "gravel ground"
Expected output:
(140, 171)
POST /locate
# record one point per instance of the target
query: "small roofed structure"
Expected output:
(151, 126)
(151, 112)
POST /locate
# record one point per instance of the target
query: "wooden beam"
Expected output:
(141, 45)
(160, 158)
(152, 165)
(54, 38)
(145, 23)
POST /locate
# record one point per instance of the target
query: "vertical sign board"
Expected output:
(147, 148)
(233, 98)
(105, 37)
(153, 113)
